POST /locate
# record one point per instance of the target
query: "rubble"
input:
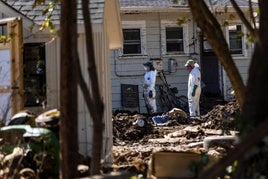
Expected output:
(134, 144)
(136, 137)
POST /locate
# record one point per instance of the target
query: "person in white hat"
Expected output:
(149, 87)
(194, 87)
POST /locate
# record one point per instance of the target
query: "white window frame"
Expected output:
(244, 52)
(164, 25)
(136, 25)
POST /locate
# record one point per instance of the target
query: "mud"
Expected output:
(134, 145)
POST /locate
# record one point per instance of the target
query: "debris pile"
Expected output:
(221, 116)
(134, 144)
(135, 137)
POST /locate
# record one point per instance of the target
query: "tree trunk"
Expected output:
(68, 92)
(212, 30)
(94, 102)
(254, 108)
(256, 103)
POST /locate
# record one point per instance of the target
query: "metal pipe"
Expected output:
(120, 75)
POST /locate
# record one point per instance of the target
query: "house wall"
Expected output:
(242, 63)
(129, 69)
(102, 53)
(243, 60)
(85, 124)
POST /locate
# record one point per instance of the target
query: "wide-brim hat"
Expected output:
(189, 62)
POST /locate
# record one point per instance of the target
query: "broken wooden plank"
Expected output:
(209, 131)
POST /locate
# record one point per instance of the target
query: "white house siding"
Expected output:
(129, 70)
(242, 64)
(53, 73)
(85, 124)
(100, 16)
(53, 84)
(242, 61)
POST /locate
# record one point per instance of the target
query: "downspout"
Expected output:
(160, 35)
(194, 37)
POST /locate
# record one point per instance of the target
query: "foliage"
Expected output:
(47, 12)
(179, 2)
(48, 22)
(182, 20)
(4, 39)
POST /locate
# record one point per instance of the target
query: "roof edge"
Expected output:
(154, 9)
(11, 12)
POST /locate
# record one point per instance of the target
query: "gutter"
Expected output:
(137, 9)
(146, 9)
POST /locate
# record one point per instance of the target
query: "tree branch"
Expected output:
(96, 107)
(251, 14)
(84, 88)
(238, 153)
(243, 18)
(212, 30)
(91, 58)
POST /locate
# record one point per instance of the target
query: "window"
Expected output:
(3, 29)
(3, 33)
(132, 41)
(206, 46)
(174, 39)
(134, 35)
(34, 74)
(235, 39)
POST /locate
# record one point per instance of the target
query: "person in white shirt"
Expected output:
(149, 87)
(194, 87)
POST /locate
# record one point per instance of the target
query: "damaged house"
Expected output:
(157, 30)
(164, 32)
(30, 62)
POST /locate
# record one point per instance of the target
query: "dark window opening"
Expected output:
(174, 39)
(235, 39)
(132, 41)
(34, 71)
(3, 32)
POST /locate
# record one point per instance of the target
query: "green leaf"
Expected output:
(181, 20)
(225, 23)
(231, 17)
(250, 38)
(44, 11)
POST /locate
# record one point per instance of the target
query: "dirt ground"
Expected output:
(134, 144)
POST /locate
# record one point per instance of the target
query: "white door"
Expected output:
(11, 68)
